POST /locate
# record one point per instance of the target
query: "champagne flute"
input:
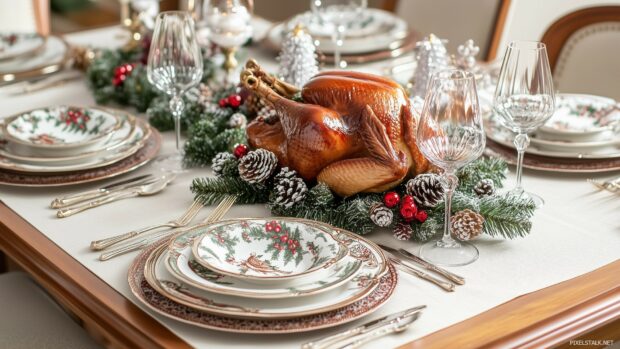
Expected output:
(174, 66)
(524, 98)
(450, 135)
(339, 14)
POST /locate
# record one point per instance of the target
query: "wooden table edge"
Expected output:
(544, 318)
(106, 314)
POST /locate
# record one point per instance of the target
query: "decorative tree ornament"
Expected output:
(432, 57)
(289, 188)
(403, 231)
(485, 187)
(257, 166)
(219, 162)
(381, 215)
(391, 199)
(237, 120)
(426, 189)
(466, 225)
(298, 57)
(240, 150)
(408, 209)
(466, 55)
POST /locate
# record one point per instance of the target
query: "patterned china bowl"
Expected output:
(268, 250)
(58, 131)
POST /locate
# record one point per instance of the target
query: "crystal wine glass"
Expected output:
(450, 135)
(338, 14)
(524, 98)
(174, 66)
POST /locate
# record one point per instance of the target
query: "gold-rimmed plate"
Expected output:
(13, 45)
(52, 57)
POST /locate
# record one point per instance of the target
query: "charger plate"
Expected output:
(177, 311)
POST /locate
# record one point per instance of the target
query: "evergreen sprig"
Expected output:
(212, 190)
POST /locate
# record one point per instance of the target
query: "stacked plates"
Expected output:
(24, 56)
(66, 145)
(263, 276)
(583, 135)
(377, 35)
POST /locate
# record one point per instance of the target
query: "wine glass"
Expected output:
(174, 66)
(524, 98)
(450, 135)
(338, 14)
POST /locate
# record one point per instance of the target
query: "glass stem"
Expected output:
(522, 140)
(176, 107)
(338, 40)
(451, 181)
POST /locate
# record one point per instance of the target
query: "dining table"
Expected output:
(557, 286)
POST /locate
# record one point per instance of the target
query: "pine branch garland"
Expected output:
(507, 216)
(485, 168)
(212, 190)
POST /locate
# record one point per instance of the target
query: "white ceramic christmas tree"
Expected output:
(431, 57)
(298, 57)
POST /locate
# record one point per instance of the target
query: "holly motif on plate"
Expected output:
(206, 273)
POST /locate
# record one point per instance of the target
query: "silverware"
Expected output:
(182, 221)
(459, 280)
(216, 215)
(143, 190)
(612, 185)
(363, 329)
(91, 194)
(52, 81)
(446, 286)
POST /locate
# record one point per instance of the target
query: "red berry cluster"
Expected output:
(408, 209)
(234, 101)
(121, 73)
(77, 117)
(240, 150)
(282, 240)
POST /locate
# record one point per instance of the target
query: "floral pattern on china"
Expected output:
(61, 126)
(274, 249)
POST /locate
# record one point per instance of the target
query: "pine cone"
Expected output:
(222, 162)
(403, 231)
(466, 225)
(485, 187)
(426, 189)
(257, 166)
(289, 188)
(381, 215)
(237, 120)
(205, 95)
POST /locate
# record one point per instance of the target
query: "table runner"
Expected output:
(575, 232)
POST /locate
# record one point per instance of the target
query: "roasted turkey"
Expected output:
(353, 131)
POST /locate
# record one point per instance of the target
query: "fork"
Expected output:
(182, 221)
(216, 215)
(612, 185)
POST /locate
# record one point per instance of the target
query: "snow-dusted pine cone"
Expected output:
(426, 189)
(381, 215)
(289, 188)
(466, 225)
(237, 120)
(219, 162)
(485, 187)
(257, 166)
(403, 231)
(205, 94)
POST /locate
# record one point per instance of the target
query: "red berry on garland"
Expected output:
(234, 101)
(408, 211)
(421, 216)
(408, 199)
(223, 103)
(240, 150)
(121, 73)
(391, 199)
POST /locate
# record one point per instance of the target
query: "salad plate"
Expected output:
(183, 266)
(263, 250)
(52, 57)
(17, 44)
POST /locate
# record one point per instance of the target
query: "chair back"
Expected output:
(25, 16)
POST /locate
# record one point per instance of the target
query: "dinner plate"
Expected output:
(143, 131)
(126, 131)
(183, 266)
(374, 266)
(261, 250)
(182, 313)
(53, 56)
(13, 45)
(60, 131)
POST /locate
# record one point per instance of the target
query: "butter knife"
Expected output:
(91, 194)
(363, 329)
(446, 286)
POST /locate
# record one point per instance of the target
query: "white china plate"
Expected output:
(54, 53)
(13, 45)
(142, 133)
(264, 250)
(61, 130)
(380, 30)
(121, 136)
(374, 266)
(183, 266)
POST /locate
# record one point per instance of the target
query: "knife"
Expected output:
(91, 194)
(396, 326)
(363, 329)
(446, 286)
(426, 265)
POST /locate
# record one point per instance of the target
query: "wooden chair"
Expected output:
(25, 16)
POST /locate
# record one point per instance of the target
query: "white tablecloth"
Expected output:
(576, 232)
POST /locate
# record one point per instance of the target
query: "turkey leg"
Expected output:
(282, 88)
